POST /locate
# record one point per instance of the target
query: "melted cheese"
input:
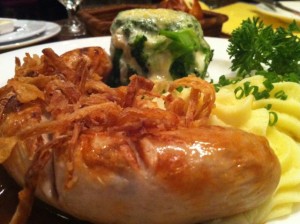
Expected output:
(161, 17)
(130, 24)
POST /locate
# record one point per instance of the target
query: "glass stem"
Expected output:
(72, 17)
(73, 26)
(74, 23)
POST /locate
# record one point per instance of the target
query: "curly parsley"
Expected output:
(259, 49)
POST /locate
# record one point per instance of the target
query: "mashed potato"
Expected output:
(284, 137)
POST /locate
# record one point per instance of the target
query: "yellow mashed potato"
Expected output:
(284, 137)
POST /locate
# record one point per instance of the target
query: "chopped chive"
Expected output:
(179, 89)
(261, 95)
(247, 88)
(268, 84)
(224, 81)
(268, 106)
(250, 89)
(273, 118)
(239, 93)
(280, 95)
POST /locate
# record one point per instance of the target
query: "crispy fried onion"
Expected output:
(52, 100)
(181, 5)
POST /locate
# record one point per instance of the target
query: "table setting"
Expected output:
(32, 49)
(17, 33)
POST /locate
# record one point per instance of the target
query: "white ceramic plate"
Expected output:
(23, 29)
(280, 13)
(51, 29)
(219, 66)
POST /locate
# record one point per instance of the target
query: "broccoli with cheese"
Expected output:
(160, 44)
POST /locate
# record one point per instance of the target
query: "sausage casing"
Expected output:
(181, 176)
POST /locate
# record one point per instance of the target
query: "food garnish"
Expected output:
(194, 8)
(257, 48)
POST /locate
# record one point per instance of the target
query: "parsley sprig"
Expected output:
(257, 48)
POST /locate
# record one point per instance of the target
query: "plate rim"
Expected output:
(88, 41)
(51, 29)
(31, 28)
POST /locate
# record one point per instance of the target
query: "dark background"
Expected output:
(51, 10)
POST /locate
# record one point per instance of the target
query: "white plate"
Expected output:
(219, 66)
(51, 29)
(23, 29)
(280, 13)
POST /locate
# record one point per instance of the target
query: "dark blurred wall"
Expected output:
(32, 9)
(52, 10)
(87, 3)
(49, 10)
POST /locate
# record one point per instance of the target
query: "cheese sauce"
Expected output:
(156, 58)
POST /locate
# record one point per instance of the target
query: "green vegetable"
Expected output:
(183, 45)
(259, 49)
(179, 89)
(224, 81)
(281, 95)
(239, 92)
(247, 89)
(273, 118)
(159, 44)
(183, 41)
(268, 106)
(115, 80)
(256, 49)
(137, 51)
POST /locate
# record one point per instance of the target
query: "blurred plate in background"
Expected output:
(281, 13)
(23, 29)
(51, 29)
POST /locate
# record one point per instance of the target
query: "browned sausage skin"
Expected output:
(219, 166)
(181, 176)
(111, 155)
